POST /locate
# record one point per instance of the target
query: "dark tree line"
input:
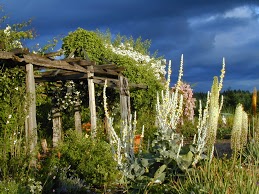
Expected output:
(231, 99)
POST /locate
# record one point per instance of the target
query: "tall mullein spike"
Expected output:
(180, 74)
(222, 74)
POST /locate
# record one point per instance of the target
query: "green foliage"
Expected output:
(169, 151)
(9, 187)
(44, 105)
(164, 161)
(188, 129)
(223, 133)
(11, 36)
(251, 153)
(219, 177)
(233, 97)
(86, 161)
(86, 44)
(13, 157)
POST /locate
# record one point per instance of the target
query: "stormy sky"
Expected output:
(204, 31)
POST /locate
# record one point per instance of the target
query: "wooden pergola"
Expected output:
(67, 69)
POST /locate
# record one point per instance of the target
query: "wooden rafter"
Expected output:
(73, 65)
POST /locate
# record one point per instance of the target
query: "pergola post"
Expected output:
(124, 98)
(77, 116)
(31, 124)
(57, 126)
(92, 105)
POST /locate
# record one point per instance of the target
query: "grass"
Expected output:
(222, 175)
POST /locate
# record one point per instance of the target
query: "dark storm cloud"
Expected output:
(204, 31)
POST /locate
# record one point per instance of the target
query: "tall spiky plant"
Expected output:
(214, 109)
(240, 129)
(170, 107)
(202, 128)
(122, 145)
(244, 130)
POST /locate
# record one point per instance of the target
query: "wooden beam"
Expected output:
(10, 55)
(57, 64)
(106, 71)
(54, 54)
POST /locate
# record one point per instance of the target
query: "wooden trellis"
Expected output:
(67, 69)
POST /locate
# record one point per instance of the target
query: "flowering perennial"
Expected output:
(202, 130)
(123, 145)
(188, 101)
(67, 96)
(214, 109)
(240, 129)
(170, 107)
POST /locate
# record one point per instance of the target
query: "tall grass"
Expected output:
(219, 177)
(224, 175)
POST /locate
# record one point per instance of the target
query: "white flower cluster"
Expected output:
(35, 186)
(71, 97)
(127, 50)
(7, 30)
(240, 129)
(170, 107)
(14, 43)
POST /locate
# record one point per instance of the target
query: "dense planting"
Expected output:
(176, 150)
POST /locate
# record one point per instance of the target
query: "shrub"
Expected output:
(84, 163)
(86, 44)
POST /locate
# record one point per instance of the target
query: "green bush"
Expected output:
(84, 163)
(188, 129)
(86, 44)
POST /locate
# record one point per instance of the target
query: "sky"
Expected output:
(203, 31)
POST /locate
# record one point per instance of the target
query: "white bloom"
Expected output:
(7, 30)
(157, 65)
(224, 120)
(17, 44)
(157, 181)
